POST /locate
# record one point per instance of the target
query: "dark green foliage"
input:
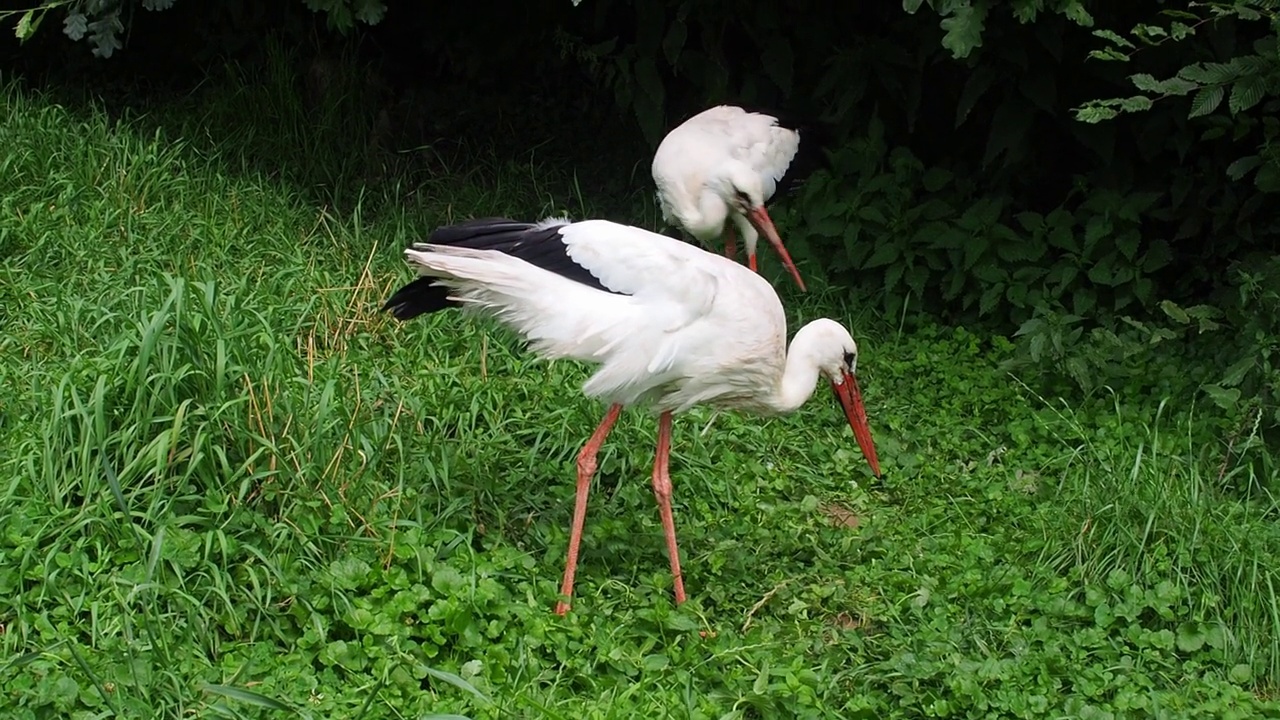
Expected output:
(964, 187)
(103, 23)
(935, 241)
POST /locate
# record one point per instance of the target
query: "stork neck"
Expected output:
(799, 375)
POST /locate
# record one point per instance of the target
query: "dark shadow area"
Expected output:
(372, 116)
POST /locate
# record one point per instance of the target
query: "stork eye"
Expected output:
(850, 359)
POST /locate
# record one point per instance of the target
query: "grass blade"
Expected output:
(245, 696)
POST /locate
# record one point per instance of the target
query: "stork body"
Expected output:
(716, 171)
(670, 326)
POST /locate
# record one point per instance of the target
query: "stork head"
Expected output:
(836, 355)
(742, 188)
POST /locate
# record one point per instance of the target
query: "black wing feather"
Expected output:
(541, 246)
(420, 297)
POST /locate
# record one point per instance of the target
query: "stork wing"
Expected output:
(752, 138)
(595, 290)
(654, 268)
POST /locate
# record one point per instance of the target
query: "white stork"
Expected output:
(670, 325)
(720, 167)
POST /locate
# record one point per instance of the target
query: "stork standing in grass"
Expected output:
(717, 170)
(670, 325)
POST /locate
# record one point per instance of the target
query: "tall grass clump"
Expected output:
(185, 470)
(1146, 521)
(189, 444)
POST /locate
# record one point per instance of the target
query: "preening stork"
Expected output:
(718, 169)
(670, 326)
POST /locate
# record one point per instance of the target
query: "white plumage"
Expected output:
(669, 325)
(721, 166)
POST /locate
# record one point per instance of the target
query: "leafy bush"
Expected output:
(934, 239)
(101, 22)
(1014, 209)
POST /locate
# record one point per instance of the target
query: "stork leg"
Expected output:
(662, 490)
(586, 469)
(730, 246)
(751, 262)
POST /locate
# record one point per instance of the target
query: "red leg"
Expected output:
(730, 246)
(751, 262)
(662, 489)
(586, 468)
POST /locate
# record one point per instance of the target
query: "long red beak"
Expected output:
(759, 217)
(851, 400)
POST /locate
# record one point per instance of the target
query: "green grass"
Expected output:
(229, 486)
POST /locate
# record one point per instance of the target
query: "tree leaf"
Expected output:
(884, 254)
(1135, 103)
(989, 298)
(1127, 243)
(954, 285)
(1181, 30)
(1150, 33)
(1210, 73)
(892, 275)
(964, 30)
(1083, 301)
(974, 248)
(1077, 14)
(1017, 295)
(1243, 166)
(831, 227)
(1174, 311)
(1238, 370)
(911, 6)
(1206, 101)
(936, 178)
(1032, 222)
(1095, 228)
(1103, 272)
(1038, 343)
(1062, 236)
(1143, 289)
(27, 24)
(872, 213)
(1107, 54)
(1143, 81)
(1158, 255)
(1021, 249)
(1247, 92)
(1113, 37)
(917, 276)
(1268, 178)
(1225, 398)
(1171, 86)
